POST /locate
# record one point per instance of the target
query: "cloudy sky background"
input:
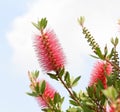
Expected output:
(17, 53)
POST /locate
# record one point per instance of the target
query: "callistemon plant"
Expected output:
(48, 49)
(103, 91)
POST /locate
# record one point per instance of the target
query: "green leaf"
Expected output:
(74, 93)
(37, 88)
(36, 25)
(53, 76)
(111, 80)
(36, 74)
(105, 51)
(103, 99)
(117, 85)
(42, 87)
(67, 79)
(116, 41)
(67, 76)
(46, 110)
(76, 81)
(73, 103)
(112, 41)
(94, 56)
(56, 98)
(86, 109)
(32, 94)
(110, 93)
(111, 53)
(90, 91)
(61, 73)
(100, 85)
(73, 109)
(99, 53)
(41, 24)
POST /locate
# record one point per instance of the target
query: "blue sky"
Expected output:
(17, 54)
(13, 86)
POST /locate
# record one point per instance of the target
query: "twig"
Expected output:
(69, 91)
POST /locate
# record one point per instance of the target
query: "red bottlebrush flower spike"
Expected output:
(49, 93)
(44, 96)
(49, 51)
(100, 70)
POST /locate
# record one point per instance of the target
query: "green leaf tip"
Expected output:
(76, 81)
(36, 25)
(41, 24)
(81, 20)
(115, 41)
(35, 74)
(32, 94)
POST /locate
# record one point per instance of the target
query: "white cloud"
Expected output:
(101, 19)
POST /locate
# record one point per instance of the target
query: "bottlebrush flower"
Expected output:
(49, 51)
(49, 93)
(101, 69)
(37, 85)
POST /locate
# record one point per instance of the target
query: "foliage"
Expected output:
(97, 97)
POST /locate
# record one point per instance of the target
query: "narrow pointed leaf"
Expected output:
(76, 80)
(61, 73)
(53, 76)
(56, 98)
(73, 103)
(32, 94)
(99, 53)
(116, 41)
(36, 25)
(42, 87)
